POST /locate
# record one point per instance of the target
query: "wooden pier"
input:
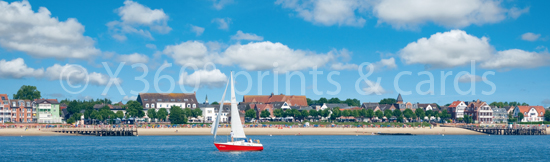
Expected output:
(99, 131)
(516, 130)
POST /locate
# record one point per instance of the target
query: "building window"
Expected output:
(194, 106)
(159, 99)
(172, 100)
(185, 100)
(189, 105)
(145, 99)
(152, 105)
(147, 105)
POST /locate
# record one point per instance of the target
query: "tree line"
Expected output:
(336, 113)
(322, 100)
(506, 104)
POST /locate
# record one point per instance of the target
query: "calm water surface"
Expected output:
(278, 148)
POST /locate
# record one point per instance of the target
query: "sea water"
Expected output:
(278, 148)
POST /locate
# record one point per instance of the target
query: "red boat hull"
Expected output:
(225, 147)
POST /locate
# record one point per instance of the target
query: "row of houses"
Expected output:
(27, 111)
(48, 110)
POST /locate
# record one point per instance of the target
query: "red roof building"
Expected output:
(266, 99)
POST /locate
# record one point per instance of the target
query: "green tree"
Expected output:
(152, 114)
(305, 114)
(335, 113)
(119, 114)
(356, 114)
(429, 113)
(420, 113)
(388, 101)
(547, 115)
(379, 114)
(314, 113)
(70, 120)
(524, 104)
(197, 112)
(278, 113)
(352, 102)
(265, 114)
(177, 116)
(370, 113)
(134, 109)
(322, 100)
(325, 113)
(397, 113)
(445, 114)
(334, 100)
(296, 114)
(309, 102)
(250, 113)
(215, 103)
(27, 92)
(388, 113)
(520, 117)
(346, 113)
(408, 113)
(162, 114)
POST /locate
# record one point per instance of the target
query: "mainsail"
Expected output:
(218, 118)
(236, 125)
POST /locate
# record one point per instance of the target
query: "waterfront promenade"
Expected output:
(260, 131)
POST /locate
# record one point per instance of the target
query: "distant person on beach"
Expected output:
(231, 136)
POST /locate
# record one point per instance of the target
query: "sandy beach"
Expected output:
(311, 131)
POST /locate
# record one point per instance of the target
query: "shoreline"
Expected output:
(260, 131)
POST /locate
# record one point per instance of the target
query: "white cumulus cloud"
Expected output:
(467, 78)
(448, 49)
(530, 36)
(516, 58)
(133, 58)
(246, 36)
(277, 56)
(17, 68)
(328, 12)
(223, 23)
(449, 13)
(402, 14)
(344, 66)
(373, 88)
(133, 16)
(209, 78)
(76, 74)
(128, 98)
(377, 66)
(219, 4)
(42, 36)
(190, 53)
(151, 46)
(197, 30)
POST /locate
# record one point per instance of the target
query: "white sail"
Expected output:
(218, 117)
(236, 125)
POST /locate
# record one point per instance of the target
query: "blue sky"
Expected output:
(509, 38)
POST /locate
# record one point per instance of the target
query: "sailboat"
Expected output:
(238, 141)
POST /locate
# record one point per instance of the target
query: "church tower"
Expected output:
(206, 100)
(399, 99)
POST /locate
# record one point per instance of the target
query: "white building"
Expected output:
(530, 113)
(457, 109)
(485, 114)
(167, 100)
